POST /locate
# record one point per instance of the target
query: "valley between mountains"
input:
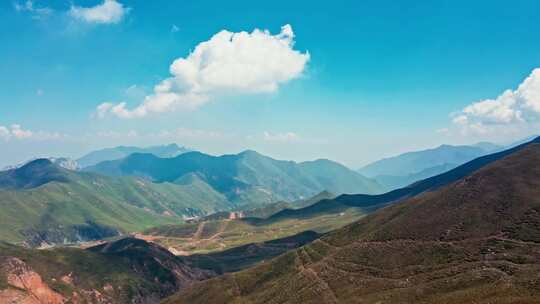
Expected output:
(168, 224)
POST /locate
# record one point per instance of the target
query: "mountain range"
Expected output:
(405, 169)
(469, 235)
(472, 240)
(43, 203)
(244, 178)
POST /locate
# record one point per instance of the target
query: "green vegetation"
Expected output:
(246, 179)
(71, 204)
(217, 235)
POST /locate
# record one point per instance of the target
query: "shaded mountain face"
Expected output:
(475, 240)
(32, 174)
(63, 162)
(402, 170)
(124, 271)
(370, 203)
(245, 177)
(245, 256)
(96, 157)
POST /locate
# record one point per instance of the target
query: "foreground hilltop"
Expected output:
(476, 240)
(124, 271)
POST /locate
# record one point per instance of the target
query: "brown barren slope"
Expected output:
(476, 240)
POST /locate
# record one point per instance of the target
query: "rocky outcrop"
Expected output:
(29, 287)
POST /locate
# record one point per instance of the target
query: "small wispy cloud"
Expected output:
(174, 28)
(281, 137)
(31, 8)
(17, 132)
(108, 12)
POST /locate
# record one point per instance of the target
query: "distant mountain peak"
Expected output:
(115, 153)
(250, 152)
(36, 165)
(33, 174)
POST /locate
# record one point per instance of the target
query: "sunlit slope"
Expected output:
(43, 203)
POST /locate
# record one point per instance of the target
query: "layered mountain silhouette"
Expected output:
(98, 156)
(370, 203)
(407, 168)
(245, 177)
(473, 238)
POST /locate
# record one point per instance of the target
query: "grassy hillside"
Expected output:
(54, 205)
(218, 235)
(476, 240)
(248, 255)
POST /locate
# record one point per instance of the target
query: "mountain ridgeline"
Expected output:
(243, 178)
(405, 169)
(45, 204)
(98, 156)
(475, 239)
(370, 203)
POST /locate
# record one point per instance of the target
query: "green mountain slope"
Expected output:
(42, 203)
(98, 156)
(245, 178)
(475, 240)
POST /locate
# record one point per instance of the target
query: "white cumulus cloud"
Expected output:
(228, 63)
(515, 109)
(110, 11)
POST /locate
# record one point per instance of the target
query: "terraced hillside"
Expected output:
(476, 240)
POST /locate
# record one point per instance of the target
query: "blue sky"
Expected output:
(357, 81)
